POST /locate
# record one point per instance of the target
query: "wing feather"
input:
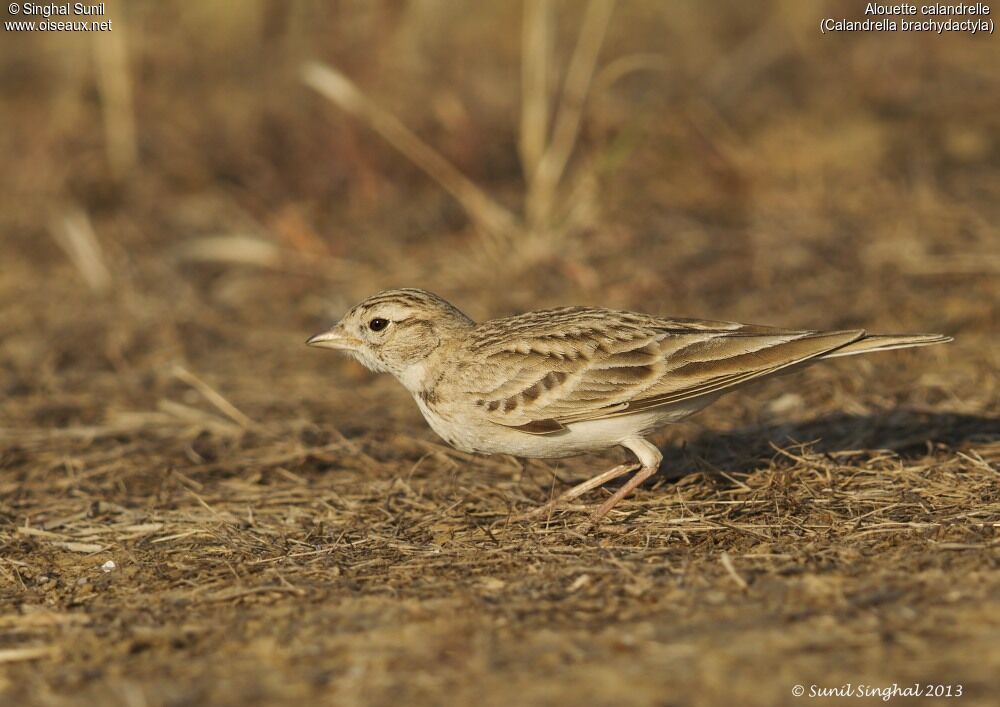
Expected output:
(578, 364)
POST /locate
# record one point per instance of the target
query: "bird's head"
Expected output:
(395, 330)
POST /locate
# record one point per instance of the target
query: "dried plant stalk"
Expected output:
(482, 209)
(75, 235)
(114, 83)
(543, 161)
(536, 48)
(215, 397)
(567, 127)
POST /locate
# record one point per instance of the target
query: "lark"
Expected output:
(568, 381)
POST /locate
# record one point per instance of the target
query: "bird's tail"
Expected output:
(870, 343)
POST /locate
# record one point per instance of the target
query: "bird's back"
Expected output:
(542, 370)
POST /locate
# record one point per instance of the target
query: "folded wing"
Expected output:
(577, 364)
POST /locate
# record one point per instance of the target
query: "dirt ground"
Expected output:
(195, 508)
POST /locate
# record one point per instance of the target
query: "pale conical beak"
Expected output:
(335, 338)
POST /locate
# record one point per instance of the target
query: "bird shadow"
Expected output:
(907, 433)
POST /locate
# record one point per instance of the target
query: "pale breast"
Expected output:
(467, 429)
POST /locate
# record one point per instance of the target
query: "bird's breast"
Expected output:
(446, 425)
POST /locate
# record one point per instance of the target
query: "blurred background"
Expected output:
(208, 184)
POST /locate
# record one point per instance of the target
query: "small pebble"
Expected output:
(109, 566)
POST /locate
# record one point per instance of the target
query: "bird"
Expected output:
(573, 380)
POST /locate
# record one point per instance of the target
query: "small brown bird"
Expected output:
(566, 381)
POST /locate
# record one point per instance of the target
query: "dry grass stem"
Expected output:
(213, 396)
(16, 655)
(74, 233)
(536, 50)
(114, 81)
(481, 208)
(549, 170)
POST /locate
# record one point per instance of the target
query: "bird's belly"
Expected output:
(485, 437)
(588, 436)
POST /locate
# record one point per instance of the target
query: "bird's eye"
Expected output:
(378, 324)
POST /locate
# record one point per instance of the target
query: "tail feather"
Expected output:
(871, 343)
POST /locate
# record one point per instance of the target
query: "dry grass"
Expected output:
(285, 529)
(544, 158)
(382, 568)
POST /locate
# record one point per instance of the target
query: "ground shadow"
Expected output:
(908, 433)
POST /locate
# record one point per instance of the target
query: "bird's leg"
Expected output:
(649, 458)
(577, 491)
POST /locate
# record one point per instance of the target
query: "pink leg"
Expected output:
(577, 491)
(640, 476)
(649, 457)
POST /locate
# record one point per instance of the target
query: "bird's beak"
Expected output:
(335, 338)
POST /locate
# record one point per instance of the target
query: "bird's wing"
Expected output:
(541, 371)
